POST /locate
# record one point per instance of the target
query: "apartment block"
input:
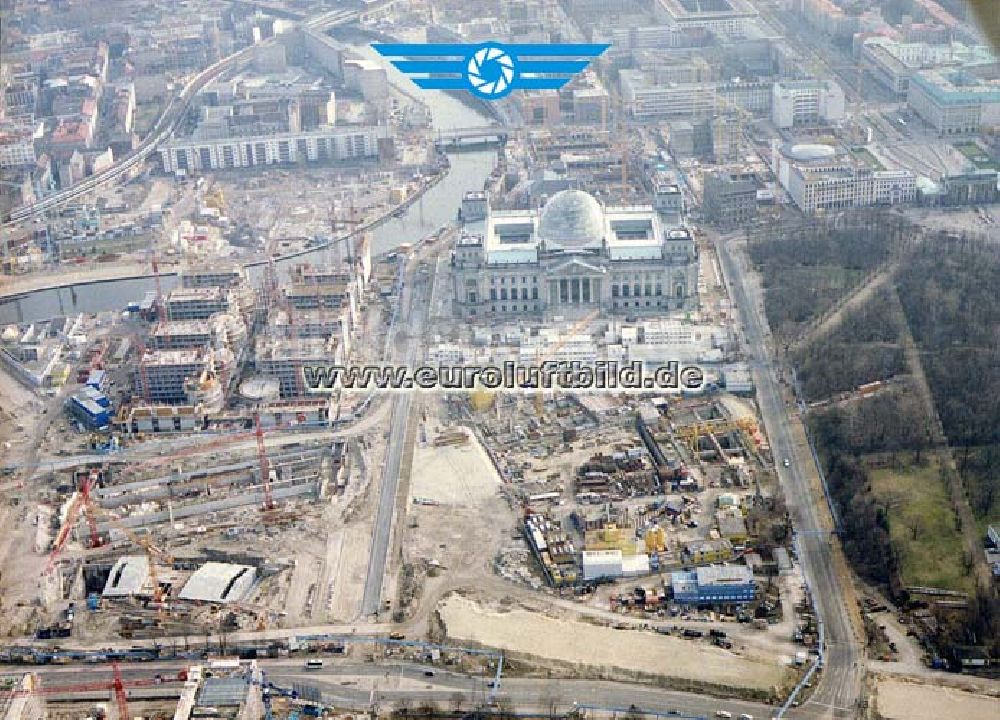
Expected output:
(324, 145)
(284, 358)
(198, 303)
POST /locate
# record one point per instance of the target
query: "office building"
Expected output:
(645, 99)
(954, 102)
(284, 358)
(795, 103)
(728, 18)
(199, 303)
(821, 177)
(730, 198)
(713, 584)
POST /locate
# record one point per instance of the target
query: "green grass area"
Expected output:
(865, 156)
(922, 526)
(976, 156)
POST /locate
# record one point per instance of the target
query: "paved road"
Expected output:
(350, 684)
(840, 684)
(413, 301)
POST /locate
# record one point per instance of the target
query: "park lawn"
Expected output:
(975, 154)
(922, 526)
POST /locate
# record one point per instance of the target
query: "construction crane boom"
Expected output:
(265, 472)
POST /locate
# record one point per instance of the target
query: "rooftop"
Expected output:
(185, 294)
(219, 582)
(723, 574)
(129, 576)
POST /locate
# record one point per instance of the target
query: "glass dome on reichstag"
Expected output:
(572, 218)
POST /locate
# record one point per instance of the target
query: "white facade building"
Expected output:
(328, 144)
(820, 178)
(806, 102)
(574, 253)
(647, 99)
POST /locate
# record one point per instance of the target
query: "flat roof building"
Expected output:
(646, 99)
(162, 373)
(822, 177)
(330, 144)
(198, 303)
(284, 359)
(954, 102)
(795, 103)
(730, 198)
(714, 584)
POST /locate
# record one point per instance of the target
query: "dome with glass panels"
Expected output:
(572, 218)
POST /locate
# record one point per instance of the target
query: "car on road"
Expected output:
(723, 714)
(746, 716)
(314, 664)
(428, 673)
(786, 462)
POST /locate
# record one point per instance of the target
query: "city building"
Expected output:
(822, 177)
(539, 107)
(91, 408)
(728, 18)
(573, 253)
(893, 62)
(730, 198)
(220, 330)
(211, 275)
(222, 689)
(714, 584)
(162, 373)
(954, 102)
(646, 99)
(795, 103)
(17, 146)
(198, 303)
(323, 145)
(708, 551)
(284, 359)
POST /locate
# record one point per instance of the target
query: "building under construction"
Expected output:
(284, 358)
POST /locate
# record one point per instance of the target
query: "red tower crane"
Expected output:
(265, 471)
(116, 684)
(79, 503)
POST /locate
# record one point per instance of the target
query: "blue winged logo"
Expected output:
(490, 70)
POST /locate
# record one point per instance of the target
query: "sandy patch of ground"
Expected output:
(452, 474)
(571, 641)
(900, 699)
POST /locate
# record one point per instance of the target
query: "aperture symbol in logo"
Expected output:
(490, 70)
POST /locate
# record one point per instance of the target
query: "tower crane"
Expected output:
(265, 471)
(116, 684)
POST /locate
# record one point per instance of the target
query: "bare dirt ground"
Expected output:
(912, 701)
(459, 475)
(451, 543)
(580, 643)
